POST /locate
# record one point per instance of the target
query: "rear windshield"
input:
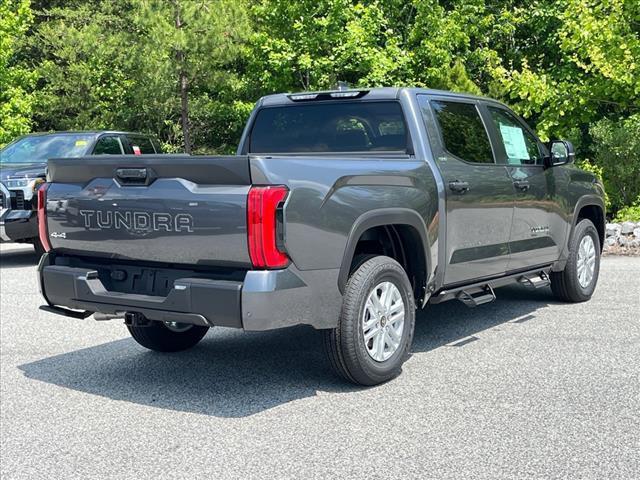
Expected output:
(330, 127)
(39, 148)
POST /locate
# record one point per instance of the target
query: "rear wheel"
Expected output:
(167, 336)
(375, 329)
(577, 282)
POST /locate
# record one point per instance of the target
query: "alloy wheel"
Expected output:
(383, 321)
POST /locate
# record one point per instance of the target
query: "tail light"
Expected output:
(42, 217)
(264, 226)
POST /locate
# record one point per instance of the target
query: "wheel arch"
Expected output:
(405, 229)
(587, 206)
(590, 207)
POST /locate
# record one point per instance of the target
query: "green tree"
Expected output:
(191, 49)
(308, 45)
(15, 80)
(85, 55)
(576, 62)
(617, 152)
(190, 70)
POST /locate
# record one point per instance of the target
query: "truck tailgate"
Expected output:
(165, 208)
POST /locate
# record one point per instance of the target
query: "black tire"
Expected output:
(157, 336)
(38, 247)
(565, 284)
(345, 344)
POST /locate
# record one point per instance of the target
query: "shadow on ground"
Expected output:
(18, 258)
(236, 374)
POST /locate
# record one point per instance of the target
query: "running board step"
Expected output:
(537, 280)
(476, 297)
(538, 277)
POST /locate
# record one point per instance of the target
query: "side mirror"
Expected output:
(562, 153)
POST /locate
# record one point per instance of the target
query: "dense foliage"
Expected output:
(630, 213)
(189, 71)
(15, 79)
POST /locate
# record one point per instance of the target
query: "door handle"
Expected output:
(522, 185)
(458, 186)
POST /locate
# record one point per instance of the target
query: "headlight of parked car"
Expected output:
(17, 183)
(34, 183)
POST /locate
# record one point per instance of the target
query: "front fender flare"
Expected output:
(584, 201)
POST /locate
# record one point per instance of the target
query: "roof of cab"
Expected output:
(85, 132)
(379, 93)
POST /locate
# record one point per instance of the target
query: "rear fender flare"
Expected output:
(378, 218)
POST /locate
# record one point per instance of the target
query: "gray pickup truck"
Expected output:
(344, 210)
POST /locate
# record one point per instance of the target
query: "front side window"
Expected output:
(520, 146)
(107, 146)
(330, 128)
(463, 132)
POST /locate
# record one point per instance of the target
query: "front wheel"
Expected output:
(167, 336)
(577, 282)
(375, 329)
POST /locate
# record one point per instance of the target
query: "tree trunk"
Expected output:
(183, 85)
(184, 111)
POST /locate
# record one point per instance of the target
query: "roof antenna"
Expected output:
(340, 86)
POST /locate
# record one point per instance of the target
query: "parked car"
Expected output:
(22, 171)
(344, 210)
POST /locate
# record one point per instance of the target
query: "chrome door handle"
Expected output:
(522, 185)
(458, 186)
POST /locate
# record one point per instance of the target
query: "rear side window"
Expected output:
(107, 146)
(141, 145)
(463, 132)
(156, 145)
(330, 127)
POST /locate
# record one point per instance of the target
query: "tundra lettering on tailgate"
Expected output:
(131, 220)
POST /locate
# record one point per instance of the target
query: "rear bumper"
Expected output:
(17, 225)
(264, 300)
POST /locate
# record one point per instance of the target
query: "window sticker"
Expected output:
(81, 143)
(514, 143)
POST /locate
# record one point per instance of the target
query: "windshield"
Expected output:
(38, 149)
(330, 127)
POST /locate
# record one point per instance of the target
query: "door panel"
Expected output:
(538, 228)
(478, 221)
(479, 193)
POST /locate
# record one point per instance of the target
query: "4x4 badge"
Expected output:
(58, 235)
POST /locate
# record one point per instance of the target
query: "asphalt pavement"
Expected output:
(525, 387)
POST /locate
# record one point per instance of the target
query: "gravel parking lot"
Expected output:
(521, 388)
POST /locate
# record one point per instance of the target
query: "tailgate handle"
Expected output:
(138, 176)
